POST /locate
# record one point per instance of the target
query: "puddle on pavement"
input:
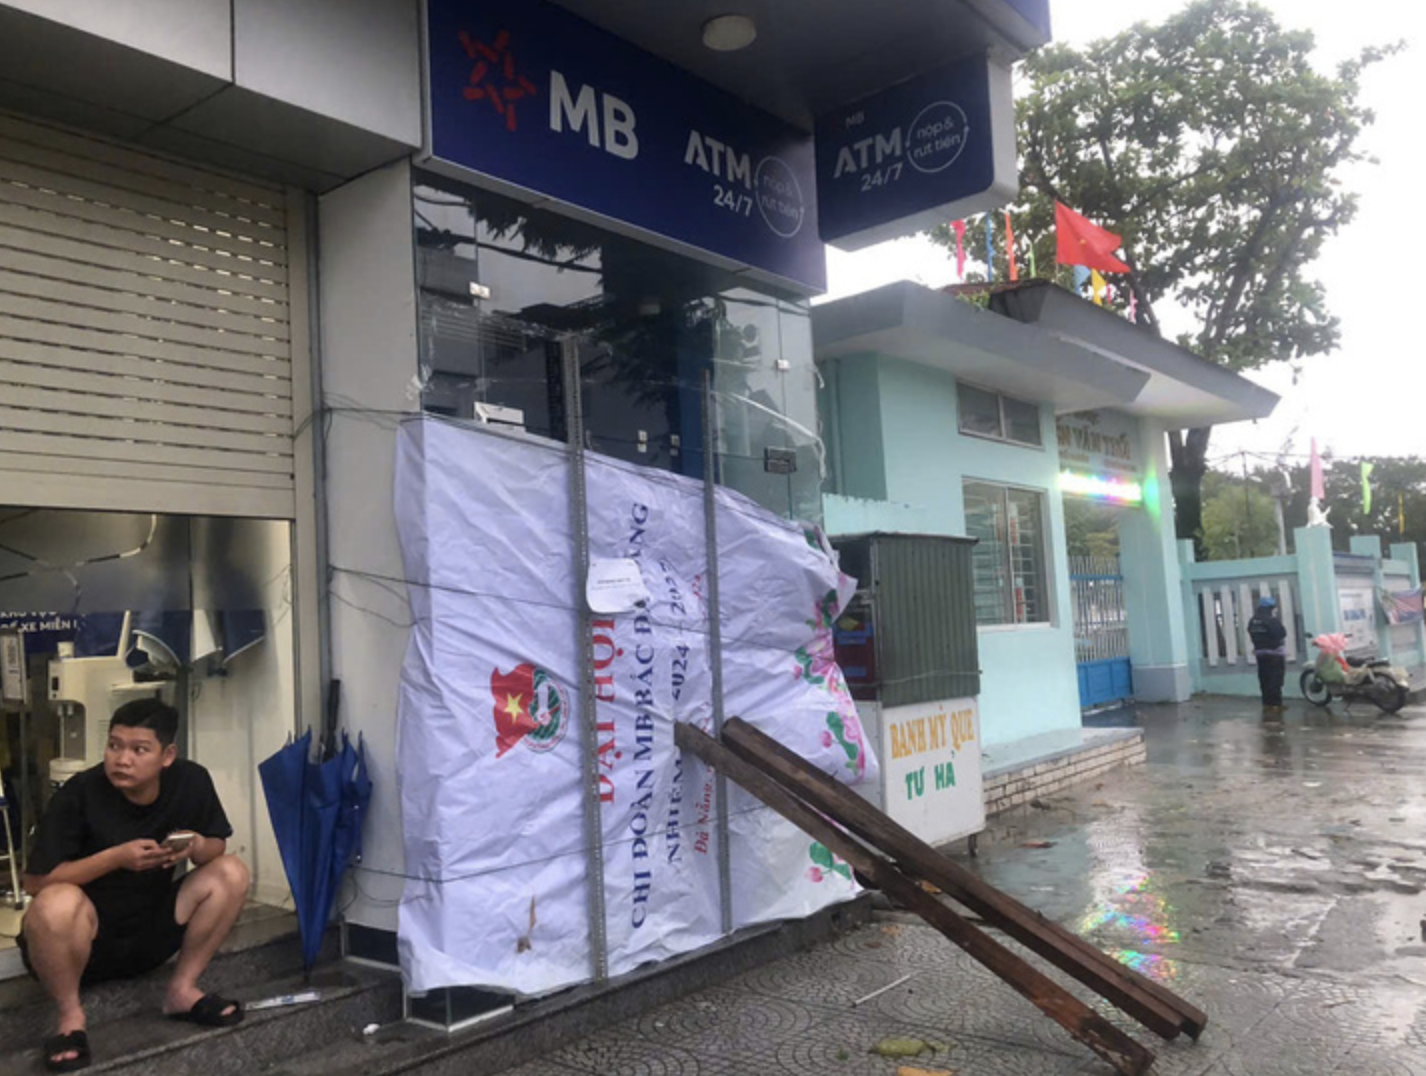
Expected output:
(1240, 842)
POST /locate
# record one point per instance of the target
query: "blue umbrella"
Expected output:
(283, 779)
(317, 810)
(355, 788)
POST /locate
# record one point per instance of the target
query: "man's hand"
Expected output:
(136, 856)
(142, 855)
(173, 857)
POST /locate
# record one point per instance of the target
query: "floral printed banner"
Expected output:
(491, 759)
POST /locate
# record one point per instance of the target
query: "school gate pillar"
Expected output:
(1153, 586)
(1316, 582)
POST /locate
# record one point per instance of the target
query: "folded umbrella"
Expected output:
(317, 810)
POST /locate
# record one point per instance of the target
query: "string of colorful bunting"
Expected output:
(1079, 243)
(1317, 486)
(1090, 251)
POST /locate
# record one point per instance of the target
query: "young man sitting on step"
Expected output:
(107, 904)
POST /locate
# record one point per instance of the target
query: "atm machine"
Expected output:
(14, 696)
(84, 692)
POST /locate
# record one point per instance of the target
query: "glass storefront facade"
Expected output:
(502, 286)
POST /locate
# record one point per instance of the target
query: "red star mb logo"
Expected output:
(493, 77)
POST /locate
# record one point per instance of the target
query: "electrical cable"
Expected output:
(337, 406)
(692, 627)
(539, 861)
(68, 570)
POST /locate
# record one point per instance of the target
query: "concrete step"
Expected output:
(541, 1025)
(263, 946)
(142, 1041)
(130, 1037)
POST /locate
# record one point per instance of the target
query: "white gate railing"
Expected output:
(1224, 608)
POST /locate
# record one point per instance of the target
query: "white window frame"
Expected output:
(1047, 582)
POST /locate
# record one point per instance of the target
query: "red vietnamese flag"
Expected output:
(1080, 242)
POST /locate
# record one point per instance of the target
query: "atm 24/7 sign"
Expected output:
(921, 153)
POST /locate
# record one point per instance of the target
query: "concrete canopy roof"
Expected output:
(915, 323)
(1184, 388)
(1040, 343)
(210, 79)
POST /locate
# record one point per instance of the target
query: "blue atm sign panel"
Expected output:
(923, 152)
(539, 104)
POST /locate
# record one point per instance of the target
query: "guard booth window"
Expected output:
(1011, 582)
(1001, 418)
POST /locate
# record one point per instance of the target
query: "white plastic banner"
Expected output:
(492, 784)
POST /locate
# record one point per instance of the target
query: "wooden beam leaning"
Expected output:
(1126, 1055)
(1153, 1005)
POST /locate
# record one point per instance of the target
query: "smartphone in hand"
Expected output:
(179, 840)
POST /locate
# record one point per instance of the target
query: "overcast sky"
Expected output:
(1368, 398)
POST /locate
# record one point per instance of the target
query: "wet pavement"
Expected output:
(1270, 872)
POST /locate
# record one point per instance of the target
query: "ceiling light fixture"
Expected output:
(729, 33)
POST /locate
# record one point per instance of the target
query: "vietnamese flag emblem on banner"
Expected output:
(1081, 242)
(530, 706)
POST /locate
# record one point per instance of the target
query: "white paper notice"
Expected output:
(614, 585)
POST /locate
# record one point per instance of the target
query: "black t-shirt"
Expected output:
(88, 815)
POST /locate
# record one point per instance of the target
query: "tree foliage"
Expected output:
(1091, 528)
(1239, 519)
(1398, 510)
(1216, 148)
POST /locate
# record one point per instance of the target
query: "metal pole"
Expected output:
(715, 640)
(1247, 499)
(589, 732)
(321, 523)
(24, 814)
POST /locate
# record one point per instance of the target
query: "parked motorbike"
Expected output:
(1336, 676)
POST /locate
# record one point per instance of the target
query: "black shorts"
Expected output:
(127, 949)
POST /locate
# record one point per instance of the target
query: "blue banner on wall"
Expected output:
(526, 95)
(918, 154)
(93, 634)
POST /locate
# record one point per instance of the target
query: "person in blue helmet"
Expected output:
(1269, 637)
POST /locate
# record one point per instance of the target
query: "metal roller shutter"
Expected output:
(146, 354)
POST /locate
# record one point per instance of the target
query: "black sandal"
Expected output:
(76, 1042)
(208, 1011)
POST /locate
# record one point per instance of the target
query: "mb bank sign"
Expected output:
(532, 101)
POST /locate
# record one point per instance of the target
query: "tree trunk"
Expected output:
(1189, 456)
